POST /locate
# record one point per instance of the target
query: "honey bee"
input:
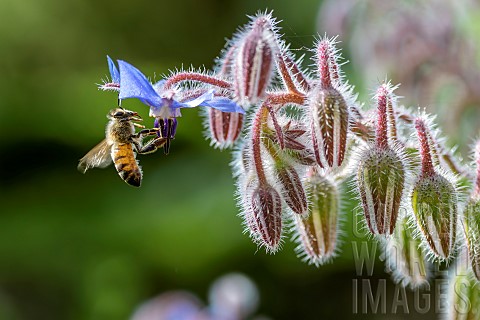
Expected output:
(120, 146)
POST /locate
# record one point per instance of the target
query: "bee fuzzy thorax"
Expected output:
(120, 128)
(119, 131)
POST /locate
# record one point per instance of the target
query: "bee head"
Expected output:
(123, 114)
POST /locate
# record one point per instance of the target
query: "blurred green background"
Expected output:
(76, 246)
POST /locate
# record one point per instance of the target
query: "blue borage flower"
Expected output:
(163, 103)
(114, 84)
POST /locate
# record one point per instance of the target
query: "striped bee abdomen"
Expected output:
(126, 164)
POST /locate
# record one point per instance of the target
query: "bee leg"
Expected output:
(151, 145)
(145, 133)
(138, 125)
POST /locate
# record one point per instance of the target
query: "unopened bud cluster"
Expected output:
(303, 136)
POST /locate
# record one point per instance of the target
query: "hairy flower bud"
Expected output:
(434, 201)
(464, 293)
(476, 188)
(472, 220)
(404, 257)
(472, 233)
(225, 127)
(329, 125)
(254, 61)
(381, 172)
(264, 216)
(292, 188)
(317, 232)
(380, 182)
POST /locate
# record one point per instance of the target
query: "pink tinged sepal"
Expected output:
(254, 61)
(329, 126)
(317, 232)
(294, 146)
(290, 136)
(292, 188)
(434, 201)
(404, 256)
(380, 183)
(225, 127)
(264, 216)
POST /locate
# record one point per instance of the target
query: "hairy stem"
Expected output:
(194, 76)
(258, 123)
(277, 127)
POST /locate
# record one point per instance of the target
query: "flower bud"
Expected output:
(329, 125)
(328, 108)
(472, 220)
(476, 188)
(292, 188)
(404, 257)
(317, 232)
(380, 182)
(472, 233)
(264, 216)
(381, 172)
(327, 66)
(254, 61)
(225, 127)
(464, 293)
(434, 201)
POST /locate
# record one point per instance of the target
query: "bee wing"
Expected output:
(98, 157)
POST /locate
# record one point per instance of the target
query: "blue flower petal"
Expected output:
(113, 70)
(223, 104)
(133, 84)
(195, 102)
